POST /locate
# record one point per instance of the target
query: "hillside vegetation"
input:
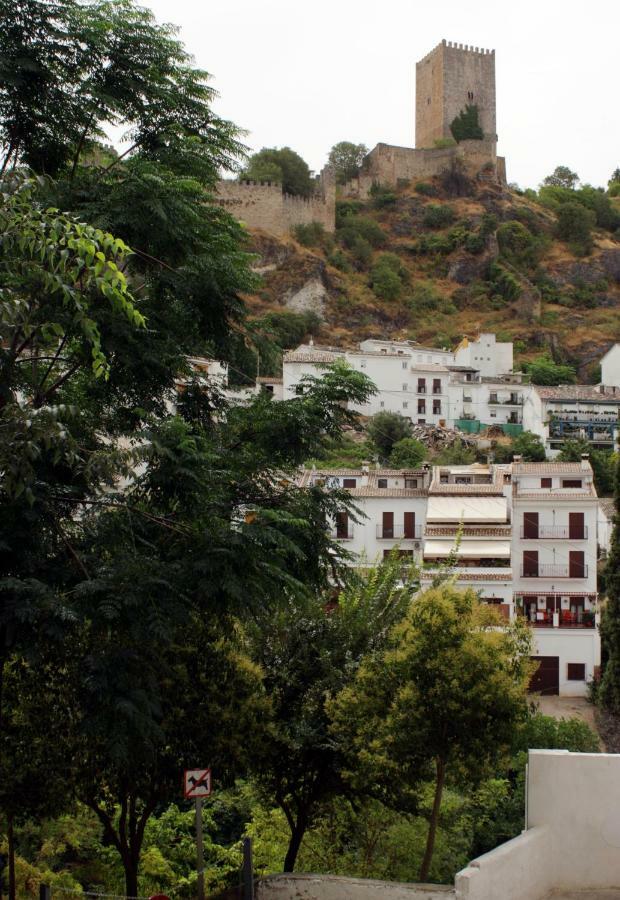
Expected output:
(437, 260)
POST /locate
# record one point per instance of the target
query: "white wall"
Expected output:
(571, 645)
(573, 837)
(486, 354)
(610, 366)
(577, 796)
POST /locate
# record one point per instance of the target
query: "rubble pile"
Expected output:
(437, 438)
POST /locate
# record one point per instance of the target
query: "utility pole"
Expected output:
(200, 863)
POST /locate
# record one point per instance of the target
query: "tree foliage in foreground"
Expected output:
(442, 702)
(346, 158)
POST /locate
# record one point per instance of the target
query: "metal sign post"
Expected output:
(200, 862)
(197, 786)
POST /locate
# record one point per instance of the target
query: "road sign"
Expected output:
(196, 784)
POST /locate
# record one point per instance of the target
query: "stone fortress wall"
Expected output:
(448, 78)
(264, 205)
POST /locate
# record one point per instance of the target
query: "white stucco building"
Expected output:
(554, 546)
(392, 504)
(468, 519)
(582, 411)
(523, 535)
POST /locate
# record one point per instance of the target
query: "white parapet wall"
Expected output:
(572, 842)
(333, 887)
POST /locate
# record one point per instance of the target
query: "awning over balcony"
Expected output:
(468, 549)
(466, 509)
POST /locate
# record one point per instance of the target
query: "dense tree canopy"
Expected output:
(283, 166)
(346, 158)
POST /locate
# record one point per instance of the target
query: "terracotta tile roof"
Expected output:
(266, 379)
(457, 490)
(576, 392)
(607, 506)
(550, 468)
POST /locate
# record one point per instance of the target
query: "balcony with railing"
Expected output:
(342, 532)
(398, 532)
(554, 533)
(550, 570)
(547, 618)
(513, 401)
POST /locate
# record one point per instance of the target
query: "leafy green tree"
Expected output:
(408, 453)
(603, 463)
(281, 165)
(574, 226)
(346, 159)
(386, 429)
(609, 689)
(443, 700)
(562, 176)
(129, 70)
(529, 446)
(544, 370)
(466, 126)
(308, 652)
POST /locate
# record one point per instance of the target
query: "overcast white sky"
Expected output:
(308, 75)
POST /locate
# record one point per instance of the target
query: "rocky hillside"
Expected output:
(438, 260)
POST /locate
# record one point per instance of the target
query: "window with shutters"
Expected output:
(349, 482)
(576, 672)
(546, 482)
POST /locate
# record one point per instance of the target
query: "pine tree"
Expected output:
(610, 627)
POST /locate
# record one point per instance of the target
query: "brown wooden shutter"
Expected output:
(530, 524)
(409, 520)
(576, 567)
(388, 524)
(576, 526)
(530, 563)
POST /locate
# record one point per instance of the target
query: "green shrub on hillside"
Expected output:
(544, 370)
(425, 189)
(346, 209)
(311, 235)
(361, 251)
(338, 259)
(356, 226)
(387, 276)
(518, 245)
(408, 453)
(424, 296)
(503, 282)
(382, 195)
(574, 226)
(438, 216)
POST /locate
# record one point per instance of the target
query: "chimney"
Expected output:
(365, 470)
(517, 458)
(585, 460)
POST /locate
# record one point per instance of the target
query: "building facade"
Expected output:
(522, 535)
(571, 411)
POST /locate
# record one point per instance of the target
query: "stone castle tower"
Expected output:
(449, 78)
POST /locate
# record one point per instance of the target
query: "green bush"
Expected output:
(357, 226)
(425, 189)
(310, 235)
(284, 166)
(345, 209)
(438, 216)
(387, 276)
(614, 189)
(361, 251)
(504, 282)
(544, 370)
(475, 243)
(381, 195)
(408, 453)
(444, 143)
(424, 296)
(518, 245)
(386, 429)
(465, 126)
(338, 259)
(574, 226)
